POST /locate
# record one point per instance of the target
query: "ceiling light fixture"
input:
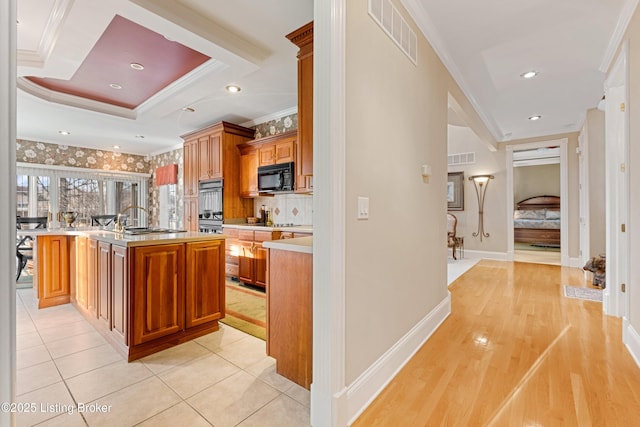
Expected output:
(233, 88)
(136, 66)
(140, 136)
(189, 109)
(534, 118)
(115, 86)
(116, 147)
(529, 74)
(64, 132)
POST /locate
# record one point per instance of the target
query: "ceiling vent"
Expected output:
(396, 27)
(461, 159)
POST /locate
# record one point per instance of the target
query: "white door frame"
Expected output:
(585, 214)
(564, 194)
(615, 302)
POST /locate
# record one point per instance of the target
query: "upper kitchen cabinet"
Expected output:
(211, 153)
(303, 38)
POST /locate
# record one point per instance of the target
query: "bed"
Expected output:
(536, 221)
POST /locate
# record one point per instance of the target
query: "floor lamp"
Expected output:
(480, 182)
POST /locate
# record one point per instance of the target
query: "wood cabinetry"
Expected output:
(232, 245)
(104, 284)
(205, 288)
(252, 257)
(190, 168)
(218, 157)
(279, 148)
(158, 292)
(78, 270)
(52, 275)
(290, 314)
(191, 213)
(92, 277)
(119, 293)
(303, 38)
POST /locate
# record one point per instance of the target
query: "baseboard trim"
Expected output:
(368, 386)
(631, 340)
(474, 254)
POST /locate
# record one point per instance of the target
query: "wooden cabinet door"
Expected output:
(157, 292)
(246, 266)
(53, 271)
(92, 277)
(81, 271)
(119, 286)
(215, 154)
(260, 259)
(266, 155)
(285, 150)
(204, 167)
(205, 288)
(190, 161)
(191, 213)
(104, 283)
(249, 174)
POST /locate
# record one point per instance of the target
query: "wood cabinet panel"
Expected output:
(191, 213)
(158, 292)
(104, 284)
(290, 314)
(190, 166)
(205, 289)
(246, 266)
(52, 274)
(120, 292)
(81, 271)
(285, 151)
(249, 173)
(260, 259)
(252, 257)
(266, 155)
(92, 277)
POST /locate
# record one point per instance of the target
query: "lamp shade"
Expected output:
(167, 175)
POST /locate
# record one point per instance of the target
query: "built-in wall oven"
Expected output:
(210, 206)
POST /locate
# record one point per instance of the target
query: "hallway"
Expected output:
(515, 351)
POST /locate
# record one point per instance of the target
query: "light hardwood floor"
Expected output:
(516, 352)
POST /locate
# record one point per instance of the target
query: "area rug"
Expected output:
(246, 309)
(588, 294)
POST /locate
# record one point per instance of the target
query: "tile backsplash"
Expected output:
(296, 209)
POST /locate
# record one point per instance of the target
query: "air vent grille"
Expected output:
(396, 27)
(461, 159)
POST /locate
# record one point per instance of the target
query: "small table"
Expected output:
(460, 245)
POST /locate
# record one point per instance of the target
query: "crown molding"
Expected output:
(269, 117)
(37, 58)
(616, 38)
(74, 101)
(428, 29)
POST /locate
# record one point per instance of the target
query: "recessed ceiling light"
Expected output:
(116, 147)
(534, 118)
(136, 66)
(64, 132)
(233, 88)
(189, 109)
(140, 136)
(529, 74)
(115, 86)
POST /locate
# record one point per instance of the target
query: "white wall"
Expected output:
(597, 218)
(536, 180)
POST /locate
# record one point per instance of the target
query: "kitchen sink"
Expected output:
(149, 230)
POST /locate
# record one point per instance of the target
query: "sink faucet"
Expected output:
(118, 227)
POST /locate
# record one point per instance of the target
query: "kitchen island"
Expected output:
(143, 293)
(290, 307)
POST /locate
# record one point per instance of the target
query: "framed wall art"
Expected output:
(455, 191)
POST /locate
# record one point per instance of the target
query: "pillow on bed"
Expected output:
(529, 214)
(552, 214)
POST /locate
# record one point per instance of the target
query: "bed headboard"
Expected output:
(539, 202)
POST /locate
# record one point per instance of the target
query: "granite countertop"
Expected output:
(299, 244)
(127, 240)
(258, 227)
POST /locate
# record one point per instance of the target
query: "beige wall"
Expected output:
(462, 140)
(396, 120)
(537, 180)
(632, 35)
(596, 167)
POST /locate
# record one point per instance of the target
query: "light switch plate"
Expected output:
(363, 208)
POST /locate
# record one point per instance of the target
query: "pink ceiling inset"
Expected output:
(123, 43)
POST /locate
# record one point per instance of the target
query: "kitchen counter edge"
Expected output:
(298, 244)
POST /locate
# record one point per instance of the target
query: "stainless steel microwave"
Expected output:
(276, 178)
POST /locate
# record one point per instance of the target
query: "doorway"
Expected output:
(520, 152)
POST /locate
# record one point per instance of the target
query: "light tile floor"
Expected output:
(221, 379)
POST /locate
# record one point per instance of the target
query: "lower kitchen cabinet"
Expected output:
(52, 275)
(158, 292)
(252, 259)
(119, 292)
(92, 277)
(205, 291)
(104, 284)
